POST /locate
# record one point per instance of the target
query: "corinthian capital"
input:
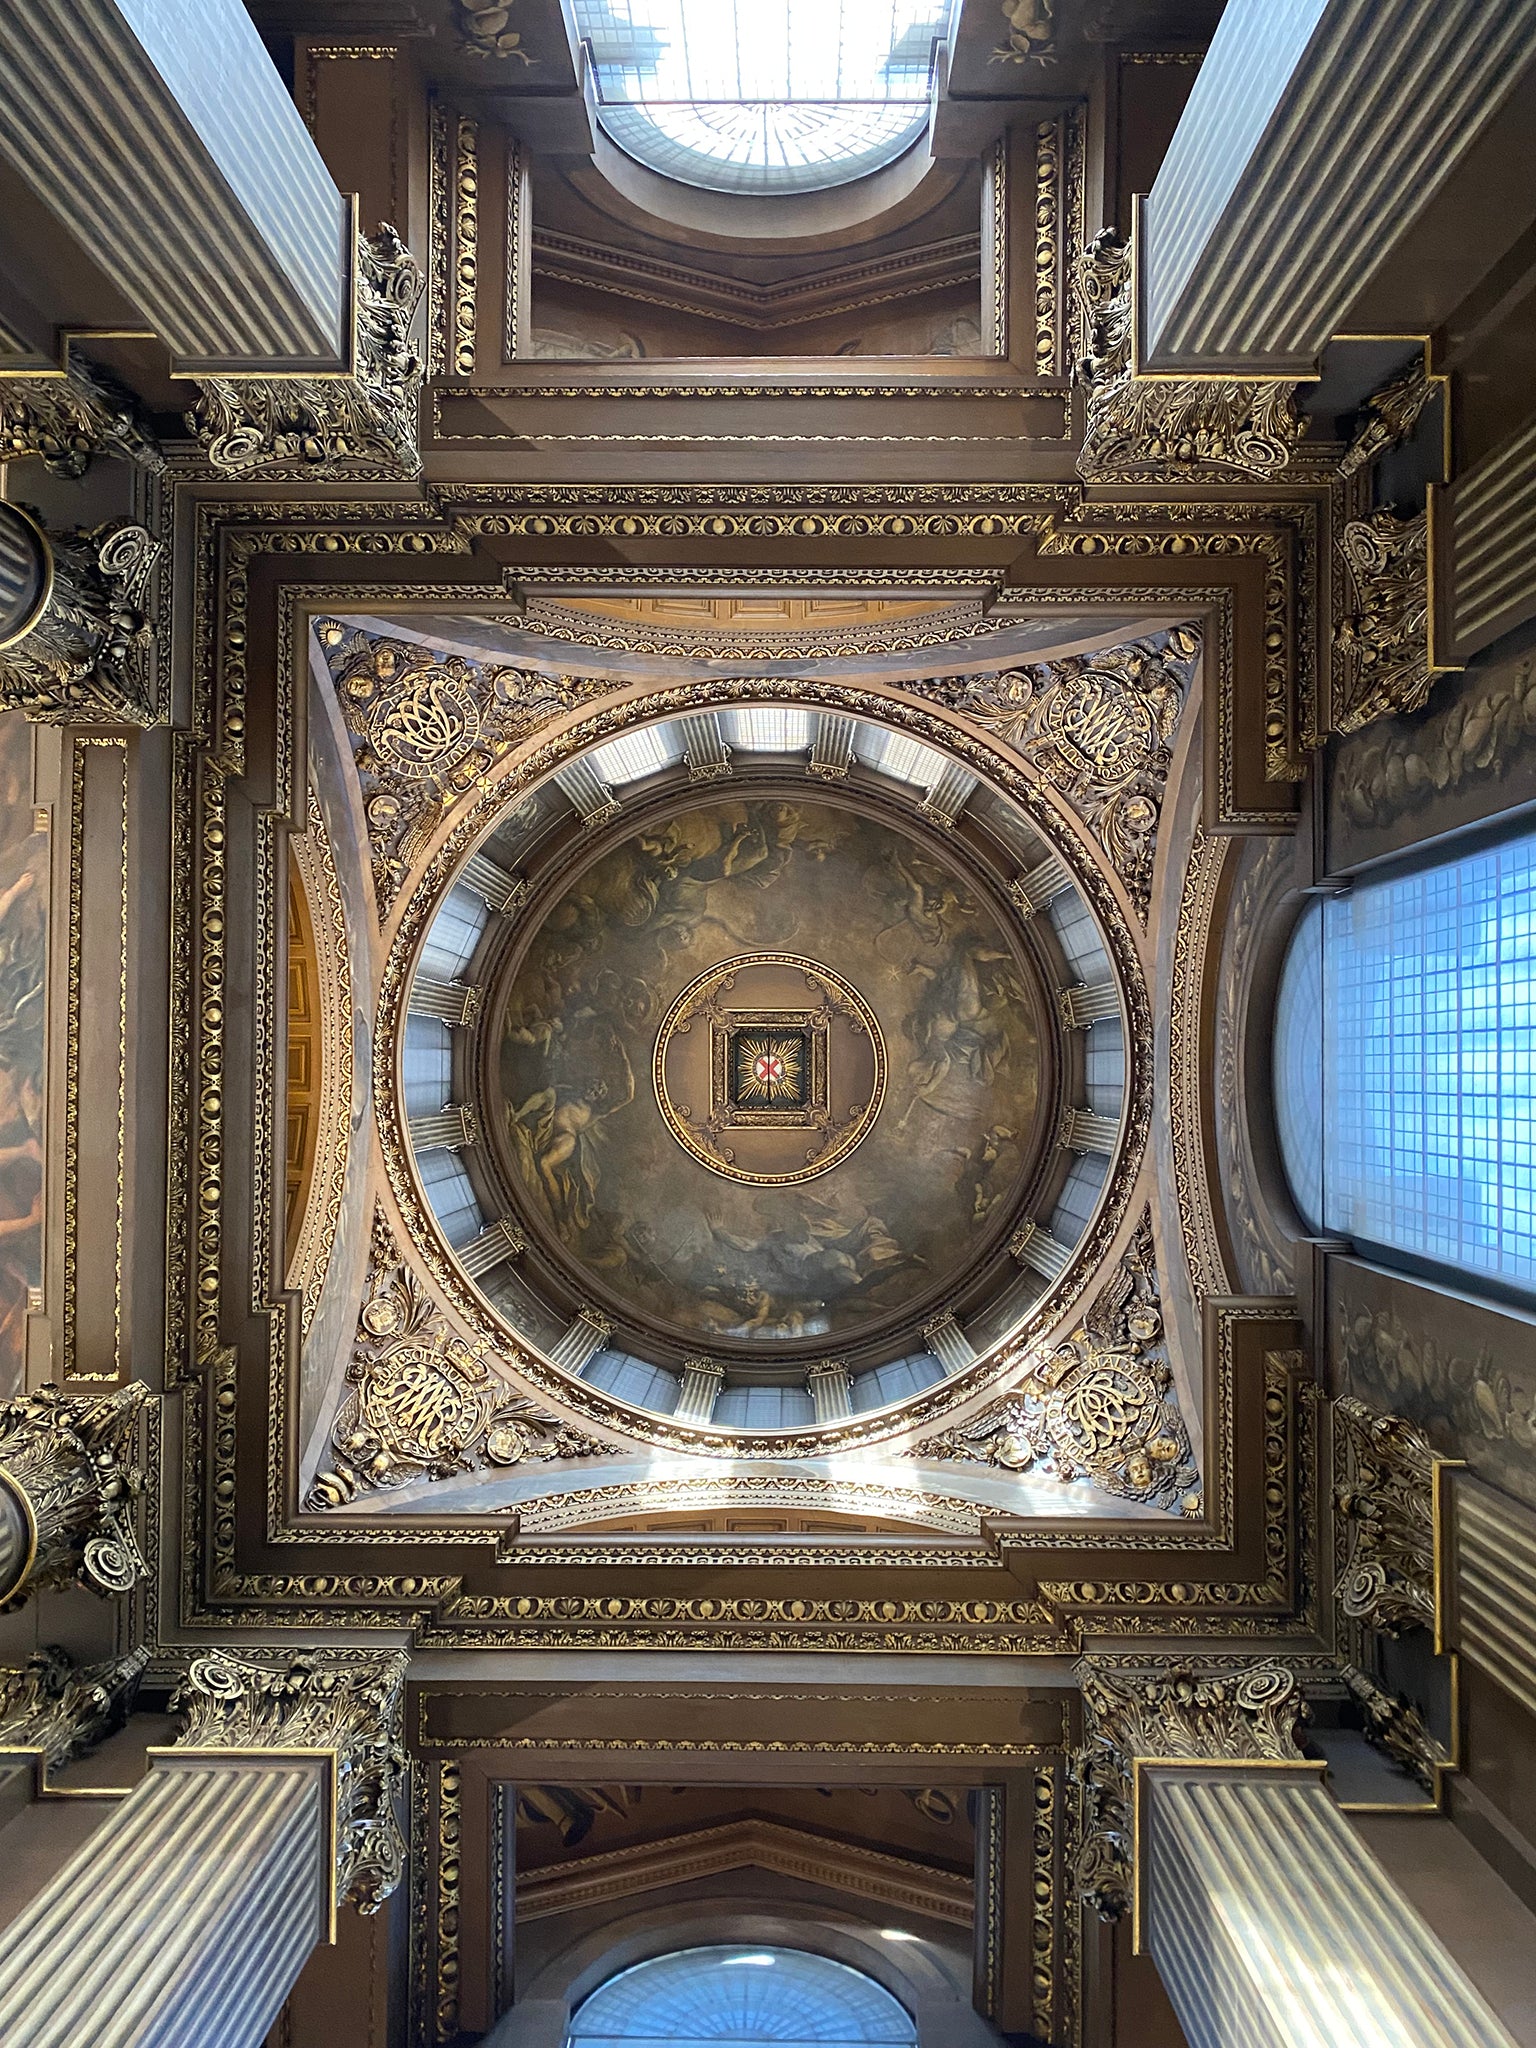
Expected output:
(52, 1704)
(327, 425)
(67, 418)
(75, 641)
(1167, 429)
(1169, 1714)
(1383, 1494)
(68, 1483)
(349, 1704)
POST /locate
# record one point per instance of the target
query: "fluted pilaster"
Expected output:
(1269, 1920)
(187, 1916)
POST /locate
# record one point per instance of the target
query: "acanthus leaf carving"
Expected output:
(1031, 33)
(65, 420)
(1383, 1494)
(1167, 1713)
(483, 29)
(52, 1704)
(1388, 417)
(86, 655)
(1100, 728)
(1167, 430)
(426, 730)
(1100, 1407)
(1396, 1727)
(67, 1462)
(350, 1704)
(329, 424)
(421, 1403)
(1381, 663)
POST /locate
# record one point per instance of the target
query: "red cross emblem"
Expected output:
(768, 1066)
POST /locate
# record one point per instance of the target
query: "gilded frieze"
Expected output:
(1161, 430)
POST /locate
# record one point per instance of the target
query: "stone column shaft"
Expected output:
(184, 1920)
(1272, 1925)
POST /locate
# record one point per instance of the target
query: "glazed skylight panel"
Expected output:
(1430, 1086)
(781, 95)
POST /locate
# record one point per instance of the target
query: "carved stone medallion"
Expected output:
(770, 1069)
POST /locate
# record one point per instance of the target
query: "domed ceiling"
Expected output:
(768, 1070)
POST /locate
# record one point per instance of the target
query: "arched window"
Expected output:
(738, 1997)
(778, 96)
(1405, 1064)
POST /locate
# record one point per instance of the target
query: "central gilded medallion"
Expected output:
(769, 1068)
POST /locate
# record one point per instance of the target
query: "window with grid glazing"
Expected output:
(1414, 1000)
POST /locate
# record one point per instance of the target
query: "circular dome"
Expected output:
(622, 1100)
(785, 96)
(763, 1068)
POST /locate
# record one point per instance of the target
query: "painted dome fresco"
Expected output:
(765, 1069)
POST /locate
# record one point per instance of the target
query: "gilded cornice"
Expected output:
(441, 1579)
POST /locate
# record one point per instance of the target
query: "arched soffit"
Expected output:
(794, 223)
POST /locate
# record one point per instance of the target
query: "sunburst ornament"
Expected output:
(770, 1069)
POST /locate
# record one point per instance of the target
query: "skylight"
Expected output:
(763, 95)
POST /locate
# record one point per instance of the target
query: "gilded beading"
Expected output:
(445, 1947)
(331, 424)
(466, 237)
(1047, 249)
(1193, 933)
(420, 1402)
(347, 1702)
(1171, 1713)
(1166, 430)
(1383, 1496)
(70, 1462)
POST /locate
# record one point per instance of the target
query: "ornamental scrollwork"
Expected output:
(1167, 430)
(87, 656)
(425, 730)
(1381, 644)
(1100, 729)
(483, 29)
(421, 1403)
(1172, 1714)
(1383, 1494)
(1031, 33)
(1100, 1407)
(68, 1463)
(52, 1704)
(1395, 1726)
(1388, 416)
(65, 420)
(348, 1703)
(330, 424)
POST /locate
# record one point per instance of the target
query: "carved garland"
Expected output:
(420, 1402)
(1100, 1407)
(1164, 430)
